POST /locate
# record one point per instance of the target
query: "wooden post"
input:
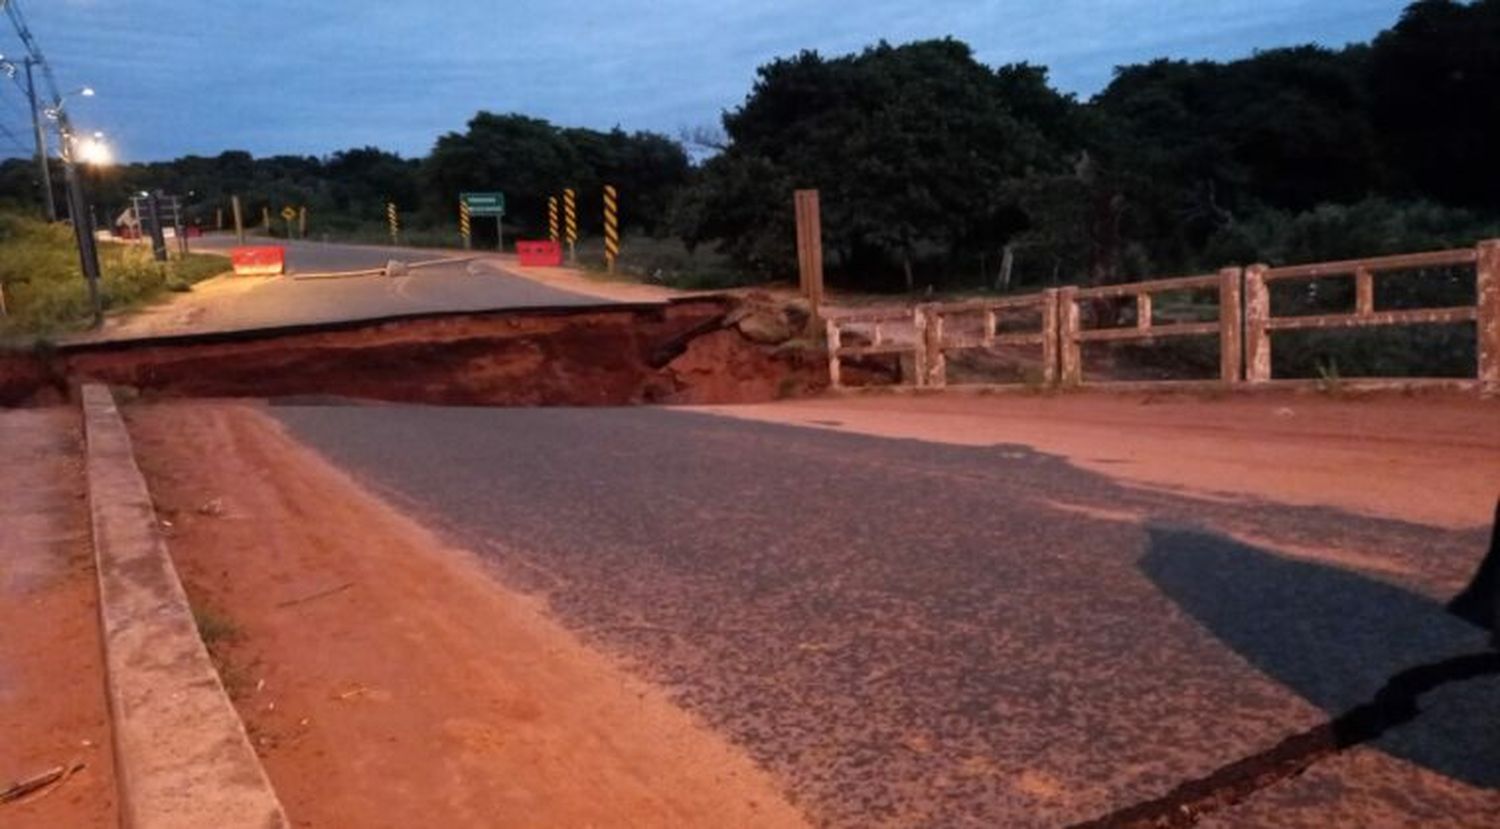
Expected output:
(239, 219)
(932, 343)
(809, 246)
(1487, 323)
(1070, 350)
(1364, 292)
(1050, 307)
(1142, 311)
(835, 342)
(1231, 325)
(919, 349)
(1257, 315)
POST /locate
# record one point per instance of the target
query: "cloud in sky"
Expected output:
(284, 77)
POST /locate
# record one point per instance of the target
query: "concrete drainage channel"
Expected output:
(182, 757)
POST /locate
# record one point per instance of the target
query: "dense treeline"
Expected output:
(931, 162)
(938, 170)
(525, 157)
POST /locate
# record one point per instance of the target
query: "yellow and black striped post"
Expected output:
(394, 221)
(463, 222)
(570, 224)
(552, 231)
(611, 227)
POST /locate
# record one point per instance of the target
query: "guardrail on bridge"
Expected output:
(923, 338)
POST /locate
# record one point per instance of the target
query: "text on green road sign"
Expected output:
(484, 204)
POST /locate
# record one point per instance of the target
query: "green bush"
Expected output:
(43, 281)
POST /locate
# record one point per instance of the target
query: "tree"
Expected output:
(908, 145)
(1437, 72)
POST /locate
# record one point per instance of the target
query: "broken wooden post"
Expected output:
(1487, 319)
(1070, 350)
(1231, 320)
(809, 247)
(1257, 335)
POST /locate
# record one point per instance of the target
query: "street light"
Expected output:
(93, 151)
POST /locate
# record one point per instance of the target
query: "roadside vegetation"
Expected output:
(43, 286)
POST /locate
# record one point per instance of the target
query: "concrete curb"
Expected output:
(182, 758)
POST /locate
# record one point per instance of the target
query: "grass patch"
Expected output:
(45, 292)
(218, 633)
(215, 628)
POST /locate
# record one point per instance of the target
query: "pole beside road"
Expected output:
(611, 227)
(809, 246)
(552, 228)
(394, 220)
(570, 224)
(48, 201)
(239, 219)
(464, 228)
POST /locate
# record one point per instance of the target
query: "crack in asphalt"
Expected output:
(1395, 704)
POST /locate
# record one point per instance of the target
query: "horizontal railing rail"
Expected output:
(1261, 321)
(1073, 335)
(1244, 326)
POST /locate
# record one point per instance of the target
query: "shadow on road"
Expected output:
(1335, 637)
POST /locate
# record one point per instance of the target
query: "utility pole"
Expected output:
(41, 143)
(88, 253)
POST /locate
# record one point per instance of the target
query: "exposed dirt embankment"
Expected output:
(701, 350)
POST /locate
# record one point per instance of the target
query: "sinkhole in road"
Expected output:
(699, 350)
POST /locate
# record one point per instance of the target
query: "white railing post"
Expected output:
(1070, 350)
(1231, 322)
(1049, 337)
(835, 342)
(1487, 321)
(1257, 316)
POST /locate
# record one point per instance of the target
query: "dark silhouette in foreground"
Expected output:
(1344, 641)
(1480, 601)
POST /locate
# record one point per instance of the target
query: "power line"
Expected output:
(15, 139)
(13, 11)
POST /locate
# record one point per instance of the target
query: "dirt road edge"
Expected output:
(181, 753)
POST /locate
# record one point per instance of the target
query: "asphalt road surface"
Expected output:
(909, 633)
(483, 282)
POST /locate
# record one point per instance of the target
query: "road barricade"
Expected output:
(260, 260)
(539, 254)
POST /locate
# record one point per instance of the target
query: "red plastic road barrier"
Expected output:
(265, 260)
(540, 254)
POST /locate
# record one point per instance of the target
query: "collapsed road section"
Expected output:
(692, 351)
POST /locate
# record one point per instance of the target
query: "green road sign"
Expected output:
(484, 204)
